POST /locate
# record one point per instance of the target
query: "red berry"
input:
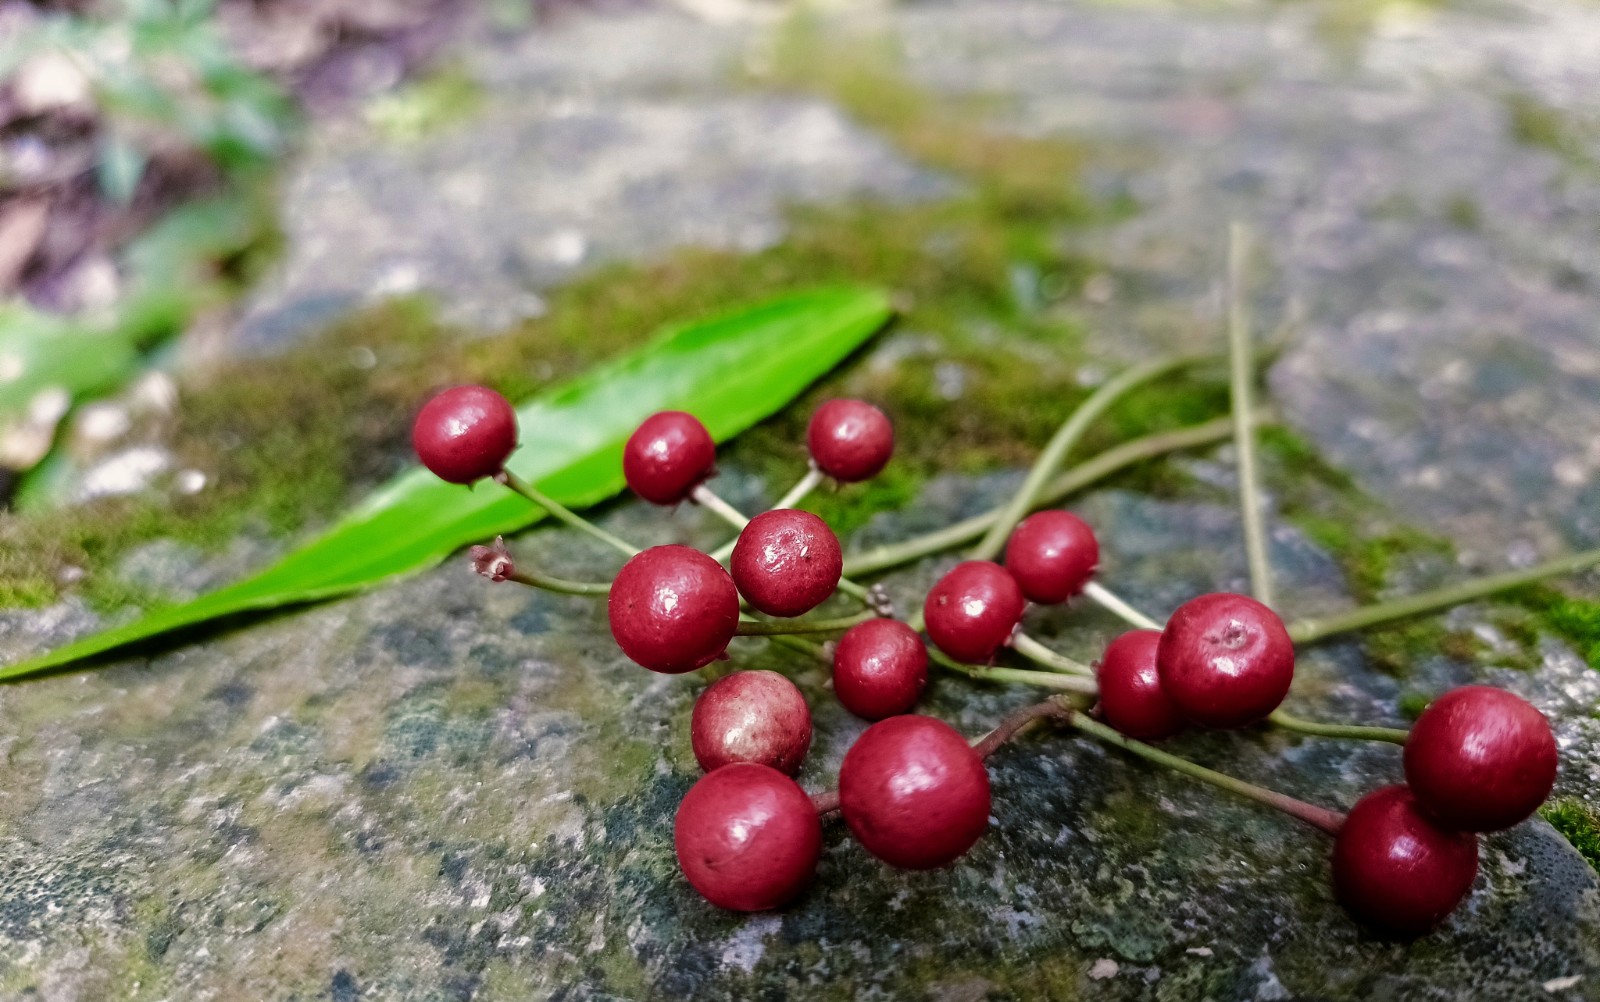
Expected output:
(751, 716)
(1395, 868)
(1225, 660)
(1131, 698)
(786, 562)
(673, 609)
(972, 610)
(1480, 759)
(1052, 555)
(879, 668)
(668, 456)
(850, 440)
(914, 792)
(465, 433)
(748, 838)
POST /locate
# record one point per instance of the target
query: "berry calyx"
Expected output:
(1052, 554)
(786, 562)
(1131, 697)
(1480, 759)
(850, 440)
(972, 610)
(1225, 660)
(748, 838)
(879, 668)
(673, 609)
(668, 456)
(914, 792)
(465, 433)
(1395, 868)
(751, 716)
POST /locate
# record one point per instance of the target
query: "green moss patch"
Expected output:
(1578, 823)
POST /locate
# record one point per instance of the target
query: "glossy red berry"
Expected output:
(1131, 698)
(971, 612)
(1395, 868)
(1480, 759)
(465, 433)
(1225, 660)
(748, 838)
(1052, 554)
(786, 562)
(673, 609)
(850, 440)
(914, 792)
(751, 716)
(668, 456)
(879, 668)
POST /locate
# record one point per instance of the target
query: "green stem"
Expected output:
(1355, 732)
(806, 647)
(1242, 386)
(1113, 460)
(797, 493)
(1311, 630)
(558, 585)
(1103, 596)
(712, 501)
(1064, 439)
(766, 628)
(1043, 679)
(1040, 654)
(1318, 817)
(565, 514)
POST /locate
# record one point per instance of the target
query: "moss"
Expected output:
(1411, 704)
(1575, 620)
(1578, 823)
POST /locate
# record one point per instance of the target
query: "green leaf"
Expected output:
(730, 371)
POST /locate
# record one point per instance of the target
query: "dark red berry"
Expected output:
(748, 838)
(1131, 698)
(1225, 660)
(751, 716)
(914, 792)
(786, 562)
(850, 440)
(879, 668)
(1052, 554)
(465, 433)
(1480, 759)
(673, 609)
(972, 610)
(668, 456)
(1394, 868)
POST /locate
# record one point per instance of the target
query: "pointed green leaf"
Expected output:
(730, 371)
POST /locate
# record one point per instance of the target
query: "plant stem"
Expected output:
(1064, 439)
(1111, 461)
(1319, 817)
(1040, 654)
(825, 803)
(559, 585)
(806, 647)
(1043, 679)
(1103, 596)
(1016, 722)
(1242, 386)
(807, 484)
(563, 513)
(713, 502)
(1355, 732)
(1311, 630)
(765, 628)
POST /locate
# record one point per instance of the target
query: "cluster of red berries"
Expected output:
(913, 791)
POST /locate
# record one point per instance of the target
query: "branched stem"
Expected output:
(712, 502)
(1355, 732)
(1016, 721)
(797, 493)
(1242, 387)
(563, 513)
(1040, 654)
(784, 627)
(1106, 599)
(1059, 681)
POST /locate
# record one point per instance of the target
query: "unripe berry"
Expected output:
(1052, 554)
(1225, 660)
(972, 610)
(668, 456)
(748, 838)
(786, 562)
(1395, 868)
(913, 792)
(1131, 698)
(673, 609)
(465, 433)
(850, 440)
(1480, 759)
(879, 668)
(751, 716)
